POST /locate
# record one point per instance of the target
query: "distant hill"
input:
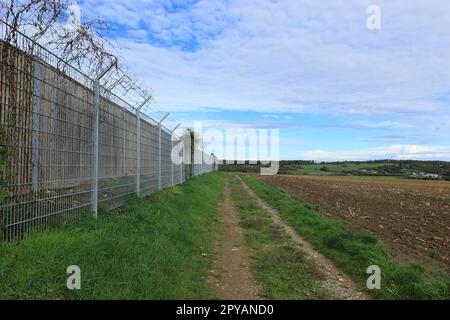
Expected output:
(412, 169)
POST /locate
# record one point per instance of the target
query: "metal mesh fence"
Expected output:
(48, 132)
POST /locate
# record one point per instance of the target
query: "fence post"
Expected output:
(159, 153)
(124, 143)
(159, 156)
(171, 140)
(95, 152)
(138, 152)
(182, 162)
(36, 127)
(173, 182)
(138, 146)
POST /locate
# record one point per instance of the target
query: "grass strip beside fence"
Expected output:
(157, 248)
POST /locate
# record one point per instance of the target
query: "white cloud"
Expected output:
(291, 56)
(295, 56)
(400, 152)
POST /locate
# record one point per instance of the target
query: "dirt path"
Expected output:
(230, 275)
(339, 285)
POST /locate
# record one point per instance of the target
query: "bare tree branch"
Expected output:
(78, 44)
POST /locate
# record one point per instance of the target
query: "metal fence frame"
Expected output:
(75, 146)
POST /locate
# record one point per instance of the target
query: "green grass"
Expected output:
(353, 250)
(278, 265)
(149, 249)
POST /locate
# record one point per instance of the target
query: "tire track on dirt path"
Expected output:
(231, 276)
(339, 285)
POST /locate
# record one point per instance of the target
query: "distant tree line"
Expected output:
(388, 167)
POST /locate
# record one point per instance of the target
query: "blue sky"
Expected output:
(336, 90)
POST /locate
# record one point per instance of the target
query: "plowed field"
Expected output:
(412, 218)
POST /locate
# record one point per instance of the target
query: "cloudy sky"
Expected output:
(334, 88)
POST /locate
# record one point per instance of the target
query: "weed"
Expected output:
(434, 254)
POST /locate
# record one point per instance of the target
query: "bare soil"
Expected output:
(338, 284)
(412, 218)
(230, 275)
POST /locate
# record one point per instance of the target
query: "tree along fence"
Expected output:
(72, 145)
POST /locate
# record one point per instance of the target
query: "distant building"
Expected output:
(424, 175)
(430, 176)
